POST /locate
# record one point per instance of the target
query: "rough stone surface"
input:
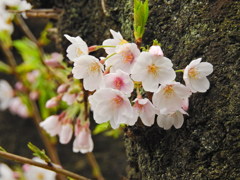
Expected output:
(207, 146)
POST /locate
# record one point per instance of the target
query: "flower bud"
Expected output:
(156, 51)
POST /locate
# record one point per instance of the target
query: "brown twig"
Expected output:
(104, 8)
(96, 169)
(24, 160)
(40, 13)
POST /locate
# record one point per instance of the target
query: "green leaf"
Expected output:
(101, 128)
(5, 38)
(2, 149)
(28, 50)
(39, 153)
(43, 40)
(141, 13)
(5, 68)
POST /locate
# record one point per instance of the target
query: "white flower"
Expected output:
(37, 173)
(144, 109)
(6, 94)
(152, 70)
(166, 121)
(195, 75)
(90, 70)
(117, 40)
(24, 5)
(124, 59)
(169, 97)
(83, 141)
(119, 80)
(6, 173)
(111, 105)
(17, 107)
(65, 133)
(77, 48)
(51, 125)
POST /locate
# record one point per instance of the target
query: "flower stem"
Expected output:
(24, 160)
(95, 167)
(179, 70)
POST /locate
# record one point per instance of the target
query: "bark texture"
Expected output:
(208, 144)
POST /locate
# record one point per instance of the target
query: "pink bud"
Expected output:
(53, 102)
(34, 95)
(185, 104)
(66, 133)
(92, 48)
(19, 86)
(62, 88)
(156, 51)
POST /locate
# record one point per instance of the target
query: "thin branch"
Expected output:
(40, 13)
(24, 160)
(104, 8)
(96, 169)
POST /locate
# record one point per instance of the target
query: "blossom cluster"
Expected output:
(113, 79)
(125, 86)
(6, 17)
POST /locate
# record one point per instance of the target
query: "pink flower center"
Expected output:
(118, 83)
(138, 106)
(193, 73)
(128, 57)
(118, 100)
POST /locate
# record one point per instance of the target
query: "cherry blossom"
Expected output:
(152, 70)
(6, 173)
(195, 75)
(90, 70)
(51, 125)
(111, 105)
(124, 58)
(169, 97)
(166, 121)
(83, 140)
(65, 133)
(77, 48)
(119, 80)
(37, 173)
(117, 40)
(144, 109)
(6, 94)
(17, 107)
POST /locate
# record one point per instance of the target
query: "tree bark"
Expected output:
(208, 144)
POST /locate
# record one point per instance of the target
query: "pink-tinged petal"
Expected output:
(83, 142)
(164, 121)
(116, 35)
(195, 62)
(178, 120)
(200, 85)
(185, 104)
(6, 173)
(69, 98)
(182, 91)
(205, 68)
(150, 83)
(93, 82)
(66, 133)
(156, 51)
(51, 125)
(166, 75)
